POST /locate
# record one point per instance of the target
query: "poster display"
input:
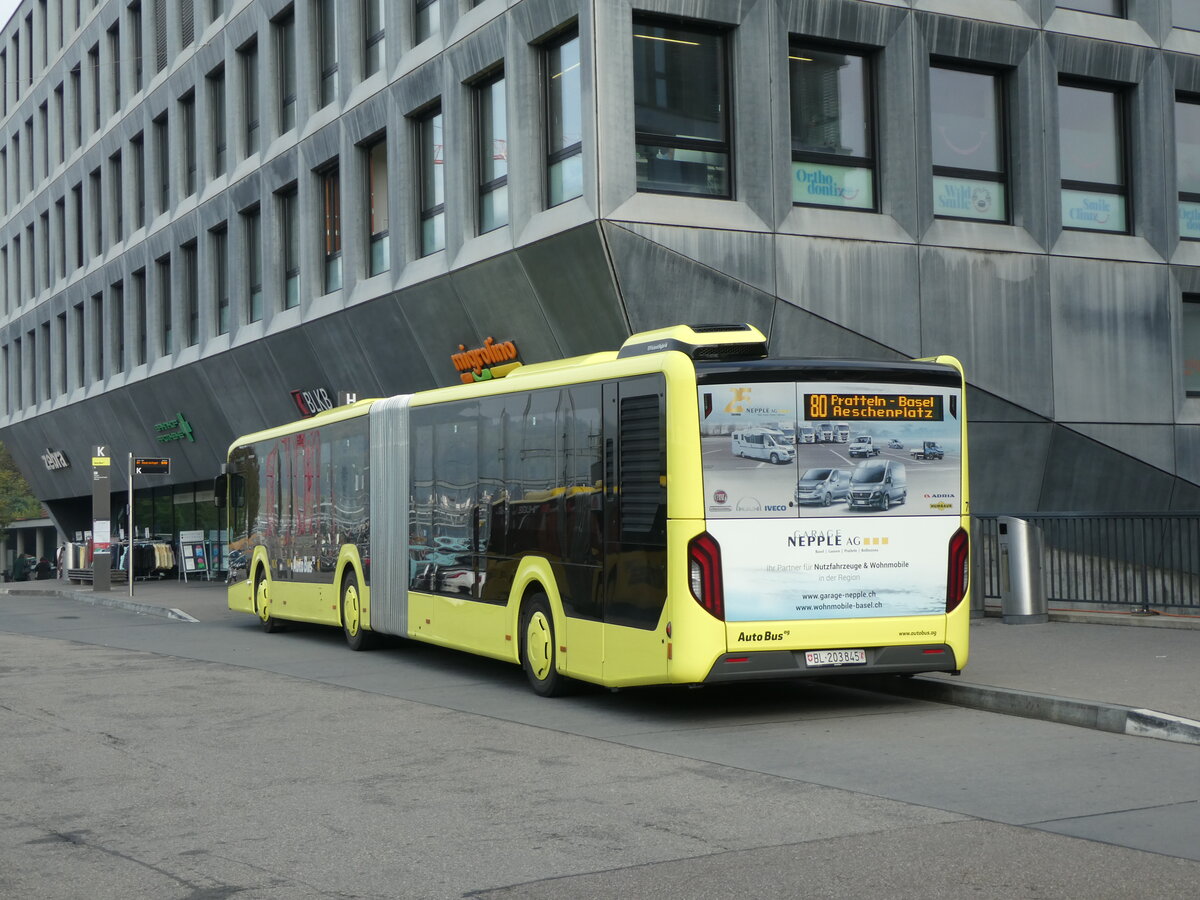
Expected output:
(832, 500)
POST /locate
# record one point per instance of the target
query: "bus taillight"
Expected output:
(956, 577)
(704, 572)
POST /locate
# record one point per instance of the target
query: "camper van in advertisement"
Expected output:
(763, 443)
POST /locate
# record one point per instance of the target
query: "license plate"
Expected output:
(835, 657)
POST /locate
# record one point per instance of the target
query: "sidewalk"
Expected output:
(1127, 674)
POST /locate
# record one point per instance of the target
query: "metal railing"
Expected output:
(1142, 561)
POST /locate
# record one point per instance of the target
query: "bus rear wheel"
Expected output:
(538, 649)
(262, 603)
(356, 637)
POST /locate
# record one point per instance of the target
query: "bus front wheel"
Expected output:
(262, 603)
(356, 637)
(538, 648)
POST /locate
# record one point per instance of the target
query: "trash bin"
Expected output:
(1022, 591)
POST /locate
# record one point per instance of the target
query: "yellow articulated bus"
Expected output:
(644, 516)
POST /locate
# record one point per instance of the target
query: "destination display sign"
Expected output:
(878, 407)
(155, 465)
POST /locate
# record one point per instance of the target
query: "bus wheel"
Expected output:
(262, 603)
(356, 637)
(538, 649)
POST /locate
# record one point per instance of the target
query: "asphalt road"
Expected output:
(141, 757)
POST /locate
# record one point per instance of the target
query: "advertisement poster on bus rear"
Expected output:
(832, 500)
(845, 568)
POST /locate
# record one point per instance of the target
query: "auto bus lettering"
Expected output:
(768, 635)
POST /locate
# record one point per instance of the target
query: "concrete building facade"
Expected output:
(211, 204)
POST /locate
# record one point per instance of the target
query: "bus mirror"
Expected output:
(219, 487)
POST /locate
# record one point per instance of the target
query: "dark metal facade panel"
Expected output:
(798, 333)
(1082, 475)
(340, 359)
(871, 288)
(662, 288)
(500, 303)
(988, 309)
(986, 407)
(1108, 322)
(1008, 465)
(572, 277)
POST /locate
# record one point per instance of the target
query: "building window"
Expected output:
(191, 292)
(60, 116)
(432, 180)
(1100, 7)
(331, 203)
(94, 73)
(252, 229)
(220, 252)
(162, 146)
(187, 23)
(138, 149)
(372, 36)
(427, 16)
(76, 107)
(160, 35)
(564, 121)
(135, 29)
(1191, 344)
(45, 354)
(966, 112)
(327, 51)
(832, 121)
(492, 129)
(216, 117)
(62, 356)
(60, 248)
(377, 207)
(47, 277)
(118, 327)
(114, 56)
(117, 185)
(1187, 165)
(79, 346)
(139, 318)
(162, 267)
(1091, 137)
(285, 42)
(98, 337)
(77, 205)
(681, 109)
(249, 55)
(97, 198)
(187, 109)
(290, 233)
(1186, 14)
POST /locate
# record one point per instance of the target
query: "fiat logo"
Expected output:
(720, 497)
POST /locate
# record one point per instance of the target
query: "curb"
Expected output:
(1111, 717)
(98, 599)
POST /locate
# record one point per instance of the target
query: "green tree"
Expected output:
(16, 499)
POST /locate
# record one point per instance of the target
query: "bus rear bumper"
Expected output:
(769, 664)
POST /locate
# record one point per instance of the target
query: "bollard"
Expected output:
(1022, 591)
